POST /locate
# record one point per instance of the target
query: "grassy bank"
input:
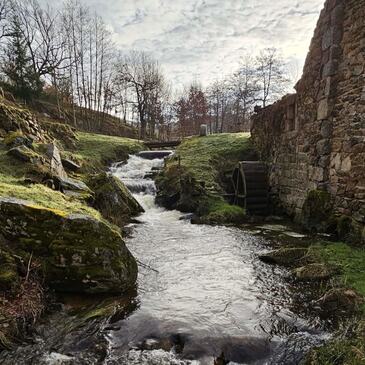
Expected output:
(198, 176)
(94, 152)
(348, 347)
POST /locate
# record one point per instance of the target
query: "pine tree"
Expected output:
(17, 67)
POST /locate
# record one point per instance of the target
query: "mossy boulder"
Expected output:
(79, 253)
(25, 154)
(312, 272)
(284, 256)
(17, 138)
(317, 213)
(113, 200)
(340, 300)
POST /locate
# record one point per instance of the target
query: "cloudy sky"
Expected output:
(204, 39)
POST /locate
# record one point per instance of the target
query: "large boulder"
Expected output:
(79, 253)
(113, 200)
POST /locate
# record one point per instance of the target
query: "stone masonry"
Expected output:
(315, 139)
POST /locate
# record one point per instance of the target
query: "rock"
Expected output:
(317, 211)
(70, 165)
(54, 157)
(313, 272)
(25, 154)
(16, 139)
(79, 253)
(68, 185)
(113, 200)
(284, 256)
(340, 299)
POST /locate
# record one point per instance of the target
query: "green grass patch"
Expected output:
(12, 174)
(204, 157)
(198, 175)
(96, 151)
(350, 261)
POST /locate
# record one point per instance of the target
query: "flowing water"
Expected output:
(203, 297)
(202, 289)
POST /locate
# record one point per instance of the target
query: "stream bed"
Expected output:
(203, 297)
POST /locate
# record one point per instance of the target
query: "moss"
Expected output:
(12, 136)
(97, 151)
(220, 212)
(317, 211)
(349, 260)
(195, 178)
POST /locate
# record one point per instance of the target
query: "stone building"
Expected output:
(314, 140)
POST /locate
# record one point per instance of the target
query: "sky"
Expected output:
(203, 40)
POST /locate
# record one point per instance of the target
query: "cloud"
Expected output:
(204, 39)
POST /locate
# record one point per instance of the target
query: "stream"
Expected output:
(203, 297)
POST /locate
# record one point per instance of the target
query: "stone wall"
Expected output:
(315, 139)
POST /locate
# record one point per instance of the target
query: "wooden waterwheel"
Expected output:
(251, 187)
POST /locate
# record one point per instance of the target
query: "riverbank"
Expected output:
(330, 280)
(56, 234)
(198, 177)
(194, 178)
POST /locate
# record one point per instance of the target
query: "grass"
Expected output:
(95, 151)
(12, 173)
(197, 173)
(202, 156)
(349, 260)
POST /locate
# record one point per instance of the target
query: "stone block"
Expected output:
(337, 15)
(330, 68)
(327, 39)
(326, 129)
(325, 108)
(323, 147)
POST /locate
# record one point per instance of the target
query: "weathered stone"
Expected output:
(25, 154)
(55, 162)
(284, 256)
(329, 110)
(113, 200)
(324, 109)
(313, 272)
(70, 165)
(340, 300)
(78, 253)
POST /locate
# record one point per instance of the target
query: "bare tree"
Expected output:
(142, 76)
(271, 75)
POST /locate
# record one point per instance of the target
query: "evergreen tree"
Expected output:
(17, 67)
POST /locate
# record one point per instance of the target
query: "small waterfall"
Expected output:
(136, 175)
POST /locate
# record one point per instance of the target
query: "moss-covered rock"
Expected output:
(25, 154)
(317, 213)
(113, 200)
(284, 256)
(17, 138)
(312, 272)
(340, 300)
(14, 118)
(79, 253)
